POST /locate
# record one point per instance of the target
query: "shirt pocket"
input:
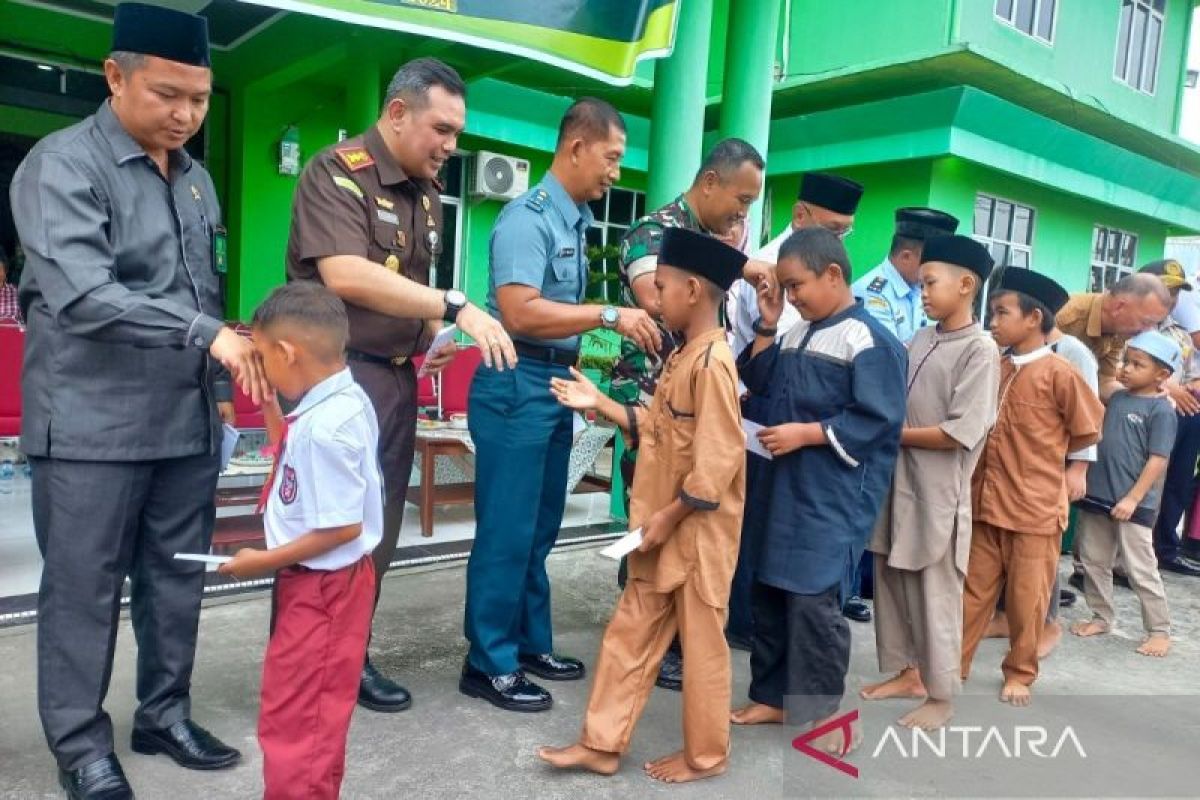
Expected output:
(565, 267)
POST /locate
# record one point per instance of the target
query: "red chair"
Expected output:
(456, 380)
(248, 414)
(12, 352)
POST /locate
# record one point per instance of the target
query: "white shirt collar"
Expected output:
(335, 383)
(1030, 357)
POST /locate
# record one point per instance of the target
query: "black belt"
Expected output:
(554, 355)
(369, 358)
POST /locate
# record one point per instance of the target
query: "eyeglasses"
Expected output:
(837, 230)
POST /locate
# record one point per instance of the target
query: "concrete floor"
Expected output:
(450, 746)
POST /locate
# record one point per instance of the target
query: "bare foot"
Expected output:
(1016, 694)
(998, 627)
(757, 714)
(1051, 635)
(1157, 645)
(1093, 627)
(578, 756)
(675, 769)
(929, 716)
(834, 743)
(906, 683)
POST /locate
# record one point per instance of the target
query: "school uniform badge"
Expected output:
(287, 486)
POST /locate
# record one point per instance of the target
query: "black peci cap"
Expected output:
(961, 251)
(701, 255)
(924, 223)
(832, 192)
(163, 32)
(1034, 284)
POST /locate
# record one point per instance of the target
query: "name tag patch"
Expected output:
(387, 216)
(566, 252)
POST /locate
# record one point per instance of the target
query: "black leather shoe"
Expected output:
(102, 779)
(552, 667)
(1076, 580)
(856, 610)
(1121, 579)
(380, 693)
(738, 642)
(511, 692)
(1066, 598)
(670, 672)
(1179, 566)
(188, 744)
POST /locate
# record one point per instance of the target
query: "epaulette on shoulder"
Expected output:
(878, 285)
(354, 158)
(537, 200)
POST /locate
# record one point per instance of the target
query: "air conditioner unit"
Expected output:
(499, 177)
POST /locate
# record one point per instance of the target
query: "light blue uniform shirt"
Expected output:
(892, 300)
(539, 240)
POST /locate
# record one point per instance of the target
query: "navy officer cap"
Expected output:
(924, 223)
(960, 251)
(701, 255)
(1033, 284)
(163, 32)
(833, 192)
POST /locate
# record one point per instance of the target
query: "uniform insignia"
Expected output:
(387, 216)
(392, 263)
(877, 302)
(433, 240)
(355, 158)
(425, 202)
(195, 193)
(877, 285)
(537, 200)
(287, 486)
(401, 239)
(383, 202)
(429, 221)
(348, 185)
(566, 252)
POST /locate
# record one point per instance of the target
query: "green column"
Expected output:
(677, 114)
(364, 94)
(749, 79)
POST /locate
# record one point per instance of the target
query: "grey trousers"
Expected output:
(96, 523)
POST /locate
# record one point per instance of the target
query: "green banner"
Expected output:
(603, 39)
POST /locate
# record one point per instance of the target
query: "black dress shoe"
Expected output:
(552, 667)
(1066, 598)
(1121, 579)
(856, 610)
(1180, 566)
(670, 672)
(188, 744)
(380, 693)
(736, 641)
(1076, 580)
(102, 779)
(511, 692)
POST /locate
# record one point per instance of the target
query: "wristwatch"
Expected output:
(763, 330)
(609, 317)
(455, 302)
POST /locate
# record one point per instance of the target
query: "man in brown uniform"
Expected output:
(367, 222)
(1104, 321)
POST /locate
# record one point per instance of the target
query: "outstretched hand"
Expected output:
(580, 394)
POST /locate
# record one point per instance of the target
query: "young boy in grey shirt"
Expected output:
(1124, 488)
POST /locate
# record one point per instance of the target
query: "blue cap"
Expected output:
(1161, 348)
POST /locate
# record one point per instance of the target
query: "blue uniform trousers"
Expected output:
(522, 442)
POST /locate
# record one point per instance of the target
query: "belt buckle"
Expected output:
(398, 361)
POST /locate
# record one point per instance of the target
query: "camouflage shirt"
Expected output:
(635, 374)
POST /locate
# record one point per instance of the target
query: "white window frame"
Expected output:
(1150, 77)
(1011, 19)
(607, 226)
(988, 240)
(458, 204)
(1104, 264)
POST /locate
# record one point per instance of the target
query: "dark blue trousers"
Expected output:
(1179, 487)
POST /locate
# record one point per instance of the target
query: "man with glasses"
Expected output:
(891, 293)
(826, 201)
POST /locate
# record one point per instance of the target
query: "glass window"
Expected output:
(1006, 228)
(1032, 17)
(1139, 42)
(1113, 255)
(614, 213)
(446, 272)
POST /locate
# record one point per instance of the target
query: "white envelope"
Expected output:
(203, 558)
(444, 336)
(623, 546)
(229, 440)
(753, 445)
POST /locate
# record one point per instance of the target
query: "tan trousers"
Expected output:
(642, 627)
(1024, 564)
(1098, 552)
(919, 622)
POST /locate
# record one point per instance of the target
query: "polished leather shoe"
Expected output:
(552, 667)
(511, 692)
(1076, 580)
(856, 610)
(670, 672)
(1180, 566)
(102, 779)
(188, 744)
(380, 693)
(1066, 598)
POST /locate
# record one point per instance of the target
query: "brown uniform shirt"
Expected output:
(692, 447)
(1045, 410)
(353, 199)
(1080, 318)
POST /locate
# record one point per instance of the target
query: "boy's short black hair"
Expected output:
(311, 308)
(1027, 305)
(816, 248)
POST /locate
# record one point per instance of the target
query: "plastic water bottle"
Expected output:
(7, 472)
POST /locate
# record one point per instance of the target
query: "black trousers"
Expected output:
(801, 652)
(96, 523)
